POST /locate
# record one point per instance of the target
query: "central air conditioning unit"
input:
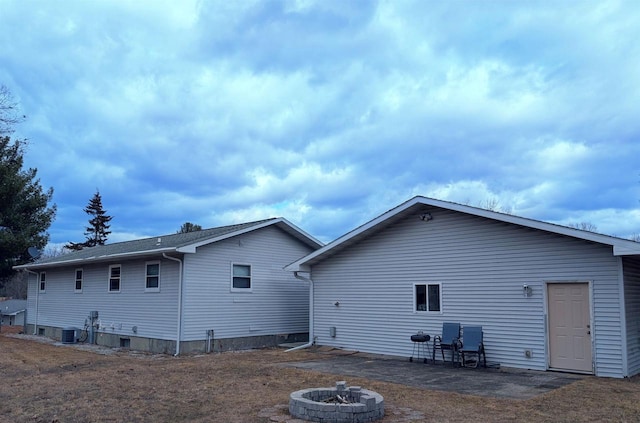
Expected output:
(68, 335)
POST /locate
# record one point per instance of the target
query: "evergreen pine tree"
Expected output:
(98, 229)
(26, 212)
(25, 209)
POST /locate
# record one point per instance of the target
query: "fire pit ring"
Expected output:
(341, 404)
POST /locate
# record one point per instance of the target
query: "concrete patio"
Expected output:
(488, 382)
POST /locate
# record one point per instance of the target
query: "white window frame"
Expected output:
(119, 279)
(147, 276)
(250, 289)
(42, 282)
(415, 297)
(76, 279)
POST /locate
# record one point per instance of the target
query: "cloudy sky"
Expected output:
(326, 112)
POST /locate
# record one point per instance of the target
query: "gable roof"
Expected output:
(175, 243)
(418, 205)
(12, 307)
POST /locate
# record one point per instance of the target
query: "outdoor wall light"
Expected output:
(527, 291)
(426, 216)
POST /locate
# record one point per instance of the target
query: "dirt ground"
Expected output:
(42, 382)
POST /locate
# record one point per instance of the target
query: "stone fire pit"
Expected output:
(341, 404)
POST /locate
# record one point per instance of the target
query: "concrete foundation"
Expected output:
(164, 346)
(244, 343)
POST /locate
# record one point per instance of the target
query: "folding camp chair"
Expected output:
(447, 341)
(472, 347)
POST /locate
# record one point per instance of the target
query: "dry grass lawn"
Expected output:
(41, 382)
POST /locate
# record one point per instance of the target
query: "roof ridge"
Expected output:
(183, 233)
(152, 244)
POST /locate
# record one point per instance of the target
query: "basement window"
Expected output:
(241, 279)
(114, 278)
(427, 297)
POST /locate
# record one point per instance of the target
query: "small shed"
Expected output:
(12, 312)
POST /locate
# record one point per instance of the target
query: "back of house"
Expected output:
(547, 297)
(215, 289)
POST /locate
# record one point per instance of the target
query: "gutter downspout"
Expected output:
(311, 338)
(623, 324)
(35, 323)
(179, 331)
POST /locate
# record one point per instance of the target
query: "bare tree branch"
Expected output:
(584, 226)
(9, 109)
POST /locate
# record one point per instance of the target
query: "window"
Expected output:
(241, 280)
(78, 287)
(43, 283)
(114, 278)
(427, 297)
(152, 278)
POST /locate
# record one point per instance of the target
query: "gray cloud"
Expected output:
(327, 113)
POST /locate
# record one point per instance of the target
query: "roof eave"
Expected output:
(12, 313)
(620, 246)
(623, 250)
(95, 259)
(297, 232)
(308, 260)
(298, 268)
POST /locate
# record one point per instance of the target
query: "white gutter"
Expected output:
(179, 331)
(93, 259)
(311, 340)
(35, 323)
(623, 325)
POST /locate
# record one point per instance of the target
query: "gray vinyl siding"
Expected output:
(154, 313)
(482, 265)
(277, 304)
(632, 308)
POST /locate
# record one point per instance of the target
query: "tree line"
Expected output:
(26, 209)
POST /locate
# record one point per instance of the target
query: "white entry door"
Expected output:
(569, 327)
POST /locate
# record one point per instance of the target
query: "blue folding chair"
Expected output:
(447, 341)
(472, 349)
